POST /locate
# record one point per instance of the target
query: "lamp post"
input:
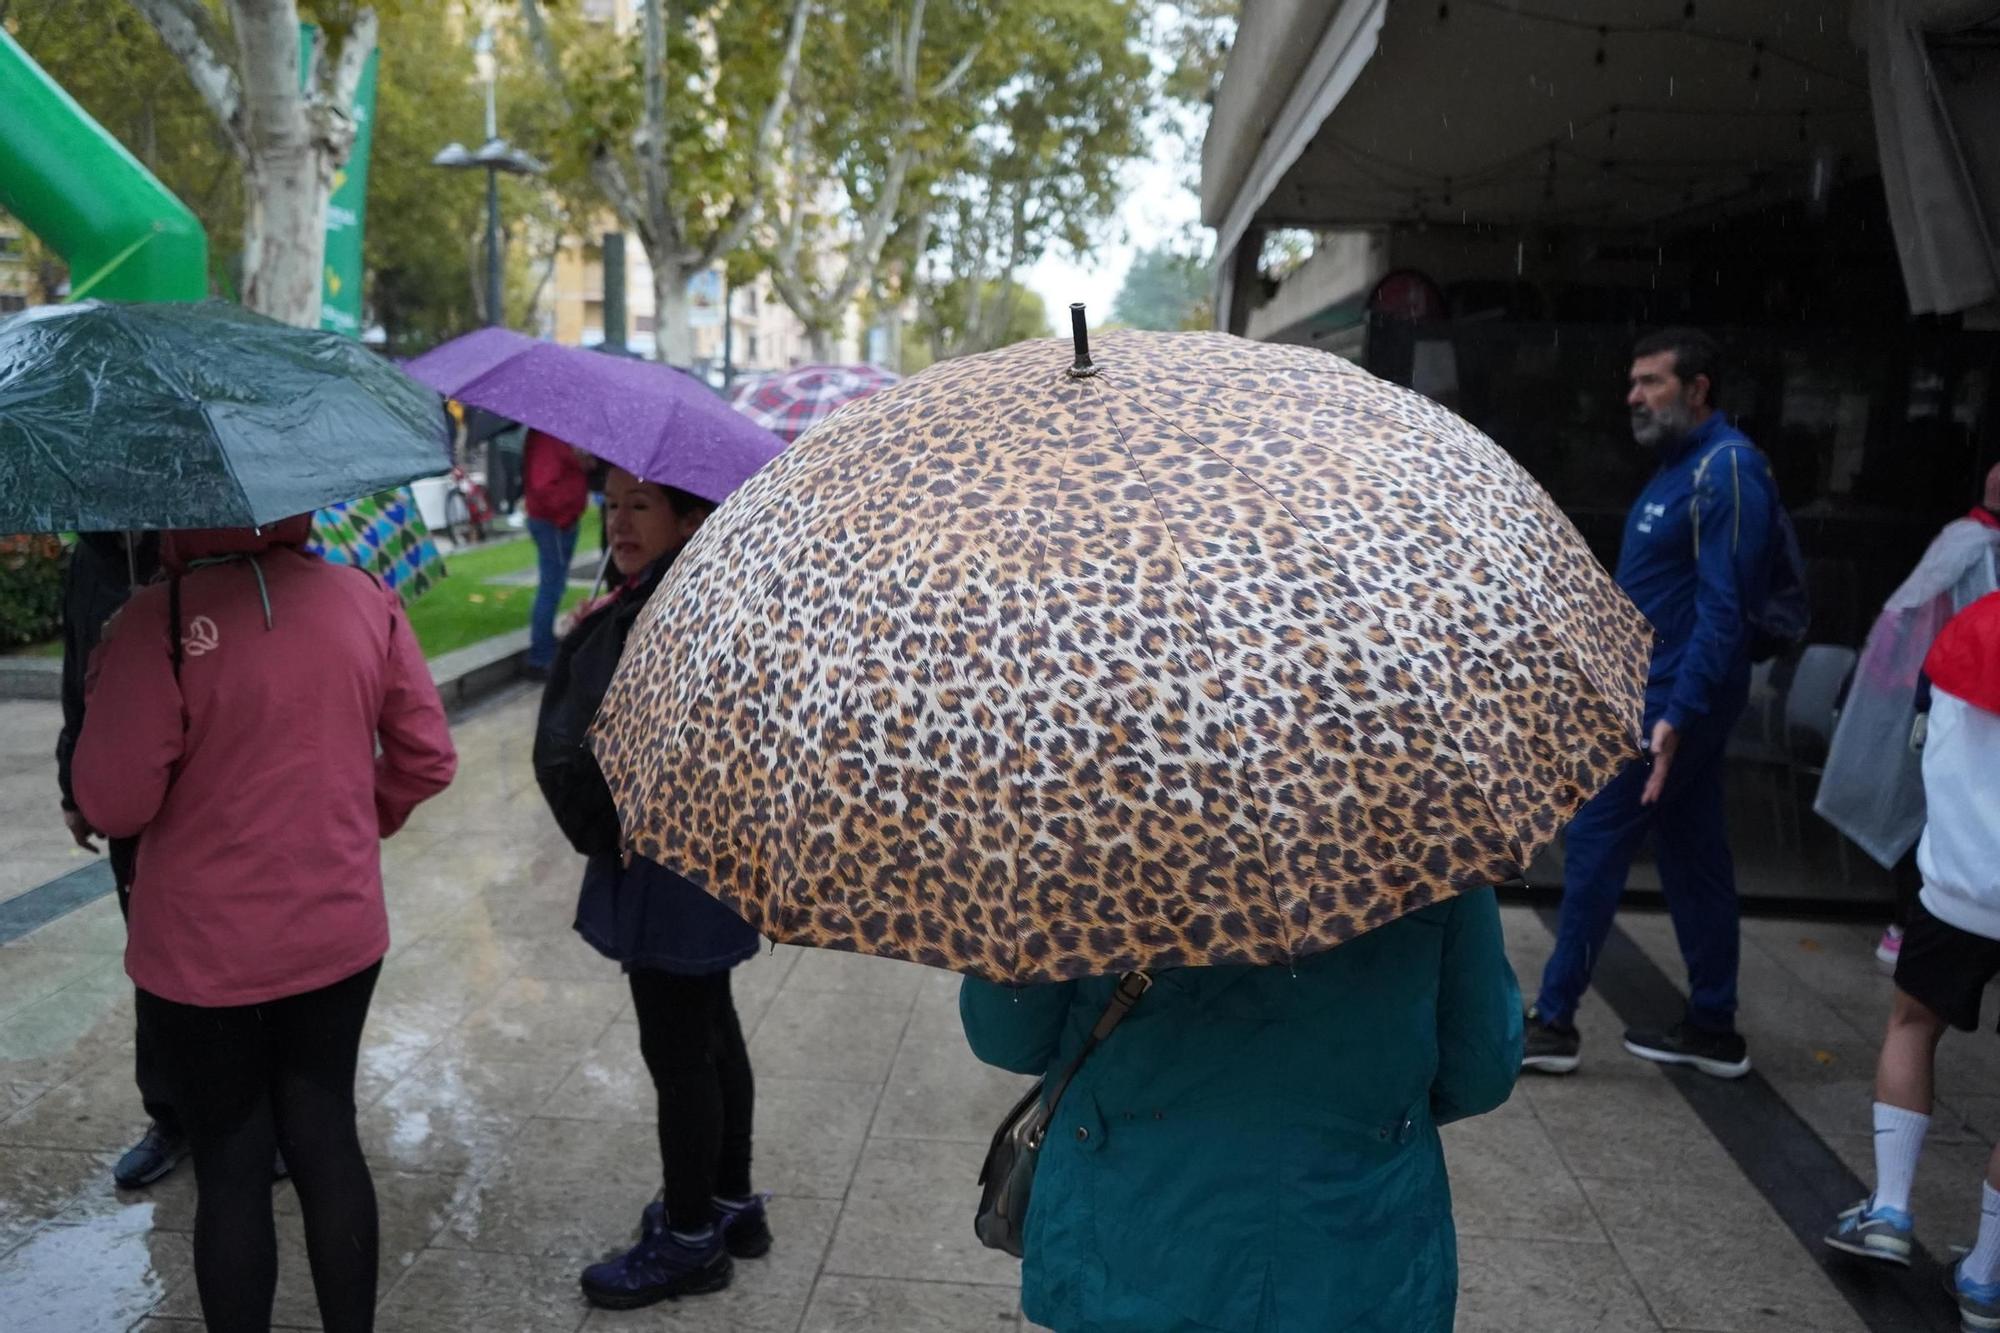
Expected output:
(493, 157)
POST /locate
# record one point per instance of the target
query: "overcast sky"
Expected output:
(1160, 205)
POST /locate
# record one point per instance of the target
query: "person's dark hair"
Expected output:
(1695, 353)
(685, 504)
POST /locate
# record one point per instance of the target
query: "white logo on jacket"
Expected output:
(202, 636)
(1651, 512)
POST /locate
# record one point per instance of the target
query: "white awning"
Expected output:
(1934, 71)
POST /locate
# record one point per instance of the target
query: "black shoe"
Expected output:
(151, 1158)
(659, 1268)
(1550, 1048)
(1719, 1054)
(745, 1226)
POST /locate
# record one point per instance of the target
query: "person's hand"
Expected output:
(80, 829)
(1665, 741)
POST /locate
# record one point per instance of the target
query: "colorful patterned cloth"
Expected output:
(383, 534)
(792, 402)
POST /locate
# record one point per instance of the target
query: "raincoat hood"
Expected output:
(1965, 660)
(180, 550)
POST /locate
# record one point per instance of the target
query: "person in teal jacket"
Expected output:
(1255, 1149)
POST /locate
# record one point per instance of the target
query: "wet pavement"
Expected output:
(509, 1122)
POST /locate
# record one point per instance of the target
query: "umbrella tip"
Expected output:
(1079, 332)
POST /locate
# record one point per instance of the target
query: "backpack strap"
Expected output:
(175, 651)
(1701, 475)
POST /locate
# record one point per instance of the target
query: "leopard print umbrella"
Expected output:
(1225, 653)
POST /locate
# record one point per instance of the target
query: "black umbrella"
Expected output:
(124, 417)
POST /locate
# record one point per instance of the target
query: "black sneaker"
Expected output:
(1718, 1054)
(1550, 1048)
(745, 1224)
(660, 1267)
(151, 1158)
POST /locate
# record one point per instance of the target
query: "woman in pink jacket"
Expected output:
(260, 721)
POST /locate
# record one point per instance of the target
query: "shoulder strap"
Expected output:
(174, 649)
(1130, 987)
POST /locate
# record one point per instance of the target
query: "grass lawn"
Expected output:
(464, 608)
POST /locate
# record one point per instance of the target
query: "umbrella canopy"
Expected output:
(1224, 653)
(792, 402)
(126, 417)
(658, 423)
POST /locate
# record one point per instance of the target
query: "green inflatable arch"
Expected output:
(124, 235)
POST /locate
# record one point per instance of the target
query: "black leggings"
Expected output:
(247, 1081)
(694, 1050)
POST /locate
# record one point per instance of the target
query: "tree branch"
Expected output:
(545, 51)
(949, 83)
(188, 29)
(651, 141)
(743, 213)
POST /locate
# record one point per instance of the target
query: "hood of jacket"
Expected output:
(1965, 660)
(181, 549)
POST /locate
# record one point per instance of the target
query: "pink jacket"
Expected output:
(253, 782)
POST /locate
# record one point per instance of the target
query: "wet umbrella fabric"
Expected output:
(792, 402)
(123, 417)
(1224, 654)
(656, 422)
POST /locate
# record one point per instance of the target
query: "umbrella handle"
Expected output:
(1079, 333)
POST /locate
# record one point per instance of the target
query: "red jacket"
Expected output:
(253, 781)
(555, 484)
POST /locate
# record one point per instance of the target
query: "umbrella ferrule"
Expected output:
(1079, 332)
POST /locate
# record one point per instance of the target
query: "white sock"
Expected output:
(1984, 1262)
(1899, 1139)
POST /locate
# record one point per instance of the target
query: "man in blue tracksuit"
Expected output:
(1696, 560)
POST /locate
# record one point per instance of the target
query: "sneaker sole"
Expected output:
(709, 1280)
(1551, 1064)
(1887, 1255)
(1713, 1068)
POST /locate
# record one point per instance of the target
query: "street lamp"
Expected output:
(493, 157)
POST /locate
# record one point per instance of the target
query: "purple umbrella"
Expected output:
(652, 420)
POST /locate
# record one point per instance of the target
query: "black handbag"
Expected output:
(1007, 1178)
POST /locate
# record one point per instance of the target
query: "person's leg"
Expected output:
(164, 1143)
(739, 1099)
(1597, 855)
(1698, 875)
(220, 1065)
(317, 1042)
(677, 1037)
(1905, 1079)
(552, 578)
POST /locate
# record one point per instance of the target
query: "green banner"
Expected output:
(340, 284)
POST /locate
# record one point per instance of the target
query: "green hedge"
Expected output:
(30, 589)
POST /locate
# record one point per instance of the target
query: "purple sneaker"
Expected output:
(660, 1267)
(745, 1224)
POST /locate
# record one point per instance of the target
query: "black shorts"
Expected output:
(1946, 969)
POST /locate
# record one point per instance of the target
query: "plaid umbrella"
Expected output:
(792, 402)
(1222, 652)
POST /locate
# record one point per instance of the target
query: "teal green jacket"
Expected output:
(1255, 1149)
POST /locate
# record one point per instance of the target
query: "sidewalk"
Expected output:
(509, 1122)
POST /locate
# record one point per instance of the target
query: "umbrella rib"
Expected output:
(1361, 464)
(1485, 795)
(1259, 817)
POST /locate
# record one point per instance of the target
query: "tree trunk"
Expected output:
(284, 235)
(819, 342)
(286, 178)
(674, 338)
